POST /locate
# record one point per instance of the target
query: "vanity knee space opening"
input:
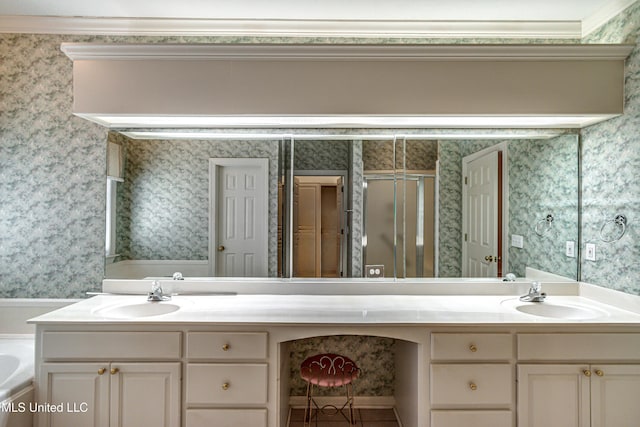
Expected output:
(386, 387)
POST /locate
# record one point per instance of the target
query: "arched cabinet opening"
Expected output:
(386, 389)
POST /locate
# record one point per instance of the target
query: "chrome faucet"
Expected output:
(177, 276)
(156, 293)
(534, 294)
(510, 277)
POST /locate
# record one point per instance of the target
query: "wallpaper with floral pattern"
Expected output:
(52, 164)
(373, 355)
(543, 179)
(611, 171)
(164, 199)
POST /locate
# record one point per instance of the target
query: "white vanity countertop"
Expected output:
(341, 310)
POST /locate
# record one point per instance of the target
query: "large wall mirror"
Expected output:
(343, 205)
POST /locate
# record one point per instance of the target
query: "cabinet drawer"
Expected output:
(471, 346)
(585, 347)
(111, 345)
(471, 418)
(227, 345)
(226, 418)
(481, 385)
(209, 383)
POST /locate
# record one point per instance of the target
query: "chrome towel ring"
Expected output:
(544, 225)
(615, 227)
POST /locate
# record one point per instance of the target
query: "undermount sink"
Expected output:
(556, 310)
(143, 309)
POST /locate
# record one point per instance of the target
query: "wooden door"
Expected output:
(307, 225)
(317, 226)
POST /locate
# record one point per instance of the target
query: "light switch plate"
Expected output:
(517, 241)
(570, 249)
(590, 254)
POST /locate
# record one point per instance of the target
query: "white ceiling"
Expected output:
(568, 18)
(430, 10)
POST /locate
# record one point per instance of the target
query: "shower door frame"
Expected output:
(409, 176)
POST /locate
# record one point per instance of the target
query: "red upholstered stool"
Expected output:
(328, 370)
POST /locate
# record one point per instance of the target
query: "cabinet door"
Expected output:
(614, 395)
(77, 392)
(145, 394)
(553, 396)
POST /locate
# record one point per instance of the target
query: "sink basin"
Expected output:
(557, 310)
(143, 309)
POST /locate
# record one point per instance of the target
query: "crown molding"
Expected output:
(604, 15)
(291, 28)
(426, 52)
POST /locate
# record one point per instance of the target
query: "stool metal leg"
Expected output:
(352, 420)
(307, 408)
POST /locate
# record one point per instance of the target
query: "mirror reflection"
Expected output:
(342, 206)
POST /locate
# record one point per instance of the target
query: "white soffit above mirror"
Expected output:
(347, 86)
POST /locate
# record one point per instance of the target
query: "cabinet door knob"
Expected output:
(226, 347)
(599, 373)
(225, 386)
(586, 372)
(101, 371)
(114, 371)
(473, 386)
(473, 348)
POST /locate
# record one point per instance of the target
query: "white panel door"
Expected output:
(81, 386)
(614, 395)
(239, 217)
(480, 216)
(145, 394)
(553, 396)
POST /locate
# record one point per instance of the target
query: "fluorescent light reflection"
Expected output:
(164, 135)
(345, 121)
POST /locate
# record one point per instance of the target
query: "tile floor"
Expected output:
(364, 418)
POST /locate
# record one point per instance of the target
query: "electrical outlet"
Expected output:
(517, 241)
(570, 249)
(590, 254)
(374, 271)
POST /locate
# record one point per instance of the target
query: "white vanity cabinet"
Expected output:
(226, 379)
(117, 389)
(472, 379)
(578, 380)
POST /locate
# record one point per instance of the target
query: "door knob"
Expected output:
(220, 248)
(489, 258)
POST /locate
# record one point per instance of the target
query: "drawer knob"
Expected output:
(225, 386)
(114, 371)
(473, 386)
(101, 371)
(226, 347)
(599, 373)
(586, 372)
(473, 348)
